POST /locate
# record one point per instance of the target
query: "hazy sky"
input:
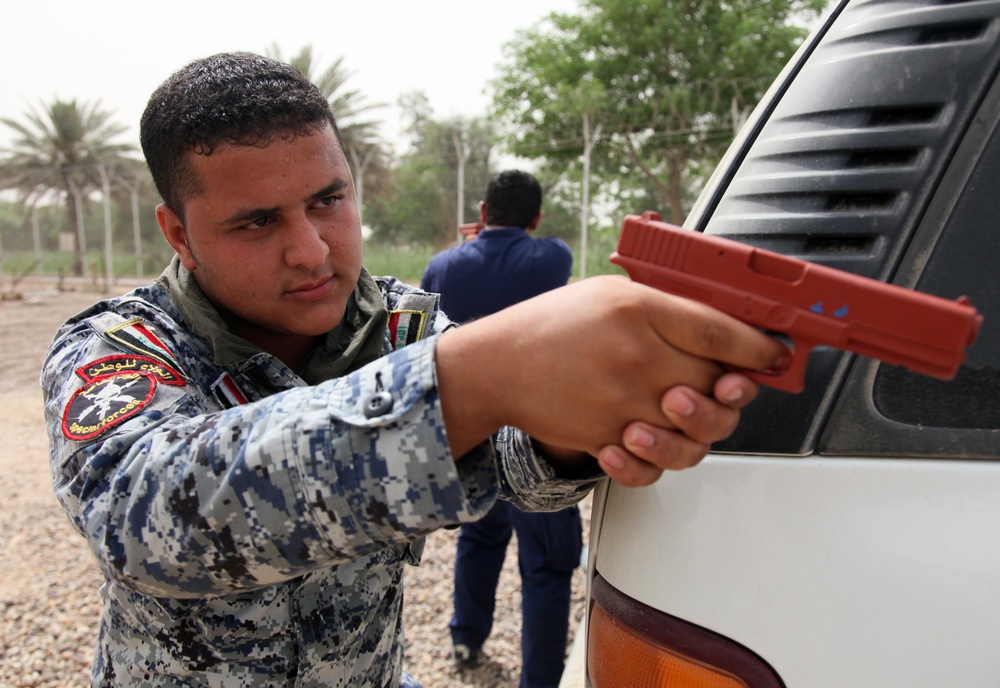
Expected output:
(117, 52)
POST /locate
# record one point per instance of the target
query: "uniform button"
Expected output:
(378, 404)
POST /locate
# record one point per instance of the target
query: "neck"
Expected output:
(290, 349)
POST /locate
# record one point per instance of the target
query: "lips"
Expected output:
(312, 290)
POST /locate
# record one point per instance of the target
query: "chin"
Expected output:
(320, 322)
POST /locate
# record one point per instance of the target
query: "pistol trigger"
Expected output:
(793, 378)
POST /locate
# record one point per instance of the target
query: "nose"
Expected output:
(304, 244)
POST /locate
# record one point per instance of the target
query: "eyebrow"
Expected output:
(247, 214)
(329, 189)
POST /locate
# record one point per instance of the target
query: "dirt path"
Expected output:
(49, 605)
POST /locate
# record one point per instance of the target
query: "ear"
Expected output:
(534, 223)
(173, 232)
(482, 212)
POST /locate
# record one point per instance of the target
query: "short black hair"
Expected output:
(234, 98)
(513, 199)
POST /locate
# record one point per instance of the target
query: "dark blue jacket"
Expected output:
(499, 268)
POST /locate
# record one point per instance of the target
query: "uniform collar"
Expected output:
(500, 232)
(355, 341)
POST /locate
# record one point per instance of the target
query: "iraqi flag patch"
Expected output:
(135, 336)
(106, 401)
(406, 327)
(227, 393)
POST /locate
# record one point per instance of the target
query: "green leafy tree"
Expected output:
(60, 151)
(560, 207)
(420, 204)
(661, 86)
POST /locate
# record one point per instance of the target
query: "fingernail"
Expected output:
(680, 404)
(612, 458)
(732, 395)
(640, 437)
(784, 362)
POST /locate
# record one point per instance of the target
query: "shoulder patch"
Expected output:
(408, 323)
(134, 335)
(227, 393)
(106, 401)
(406, 327)
(123, 363)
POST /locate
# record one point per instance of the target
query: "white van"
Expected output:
(847, 536)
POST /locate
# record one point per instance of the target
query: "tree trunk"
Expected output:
(73, 225)
(673, 189)
(675, 186)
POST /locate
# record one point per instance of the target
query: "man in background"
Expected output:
(503, 266)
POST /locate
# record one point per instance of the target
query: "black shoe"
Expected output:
(465, 657)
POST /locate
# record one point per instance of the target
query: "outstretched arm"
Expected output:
(605, 367)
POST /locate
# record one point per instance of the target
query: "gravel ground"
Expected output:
(49, 603)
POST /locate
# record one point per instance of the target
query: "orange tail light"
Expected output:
(630, 645)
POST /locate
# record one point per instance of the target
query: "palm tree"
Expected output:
(61, 151)
(365, 151)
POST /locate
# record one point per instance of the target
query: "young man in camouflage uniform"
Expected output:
(256, 443)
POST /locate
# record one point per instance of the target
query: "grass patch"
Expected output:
(405, 263)
(16, 263)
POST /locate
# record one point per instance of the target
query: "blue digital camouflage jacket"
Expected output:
(252, 528)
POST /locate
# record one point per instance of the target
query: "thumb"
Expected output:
(703, 331)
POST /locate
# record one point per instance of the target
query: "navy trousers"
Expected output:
(548, 548)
